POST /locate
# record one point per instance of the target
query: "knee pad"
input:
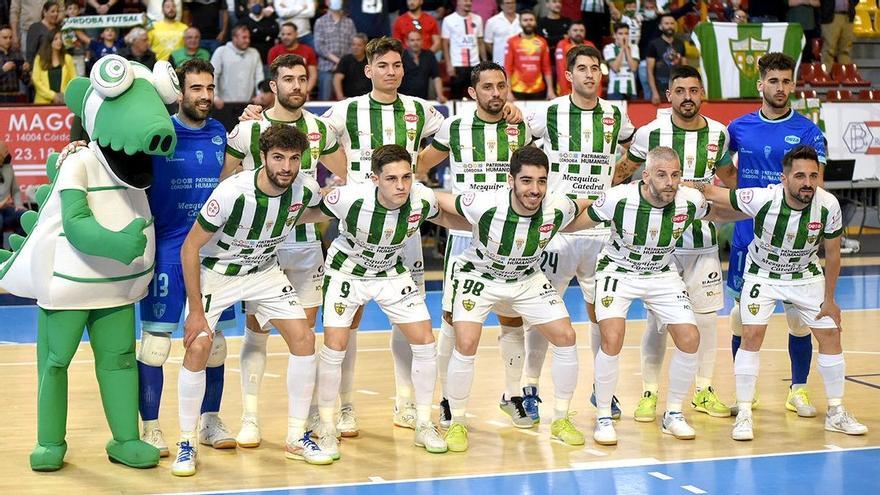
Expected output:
(155, 348)
(218, 351)
(796, 326)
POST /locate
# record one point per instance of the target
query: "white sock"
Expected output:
(346, 385)
(296, 429)
(653, 353)
(536, 353)
(595, 338)
(424, 378)
(301, 371)
(606, 372)
(736, 324)
(190, 393)
(511, 342)
(402, 355)
(564, 369)
(682, 367)
(459, 382)
(253, 365)
(329, 376)
(833, 370)
(707, 324)
(445, 345)
(745, 367)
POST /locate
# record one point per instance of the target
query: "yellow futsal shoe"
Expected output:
(646, 411)
(457, 437)
(705, 401)
(564, 430)
(799, 401)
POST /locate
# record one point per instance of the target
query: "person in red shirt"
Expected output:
(416, 20)
(290, 44)
(528, 62)
(577, 35)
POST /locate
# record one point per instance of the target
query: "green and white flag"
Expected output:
(729, 54)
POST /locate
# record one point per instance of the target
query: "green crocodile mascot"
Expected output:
(89, 252)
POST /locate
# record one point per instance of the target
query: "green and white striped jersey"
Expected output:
(622, 82)
(363, 124)
(248, 225)
(581, 145)
(505, 246)
(244, 143)
(643, 236)
(372, 237)
(699, 151)
(786, 240)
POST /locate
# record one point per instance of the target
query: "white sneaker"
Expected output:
(185, 462)
(742, 428)
(406, 417)
(249, 435)
(306, 450)
(428, 436)
(347, 425)
(604, 433)
(841, 421)
(328, 440)
(214, 433)
(674, 424)
(153, 436)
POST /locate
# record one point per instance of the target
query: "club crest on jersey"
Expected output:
(690, 161)
(676, 233)
(339, 308)
(588, 135)
(389, 232)
(653, 233)
(490, 145)
(520, 242)
(219, 156)
(607, 300)
(158, 310)
(314, 152)
(411, 134)
(753, 309)
(468, 304)
(608, 137)
(200, 155)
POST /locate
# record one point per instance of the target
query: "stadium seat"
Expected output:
(820, 77)
(839, 95)
(805, 93)
(852, 76)
(869, 95)
(862, 25)
(805, 74)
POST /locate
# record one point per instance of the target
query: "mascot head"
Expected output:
(122, 107)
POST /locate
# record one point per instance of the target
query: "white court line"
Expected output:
(597, 453)
(367, 392)
(693, 489)
(660, 476)
(618, 463)
(376, 479)
(833, 447)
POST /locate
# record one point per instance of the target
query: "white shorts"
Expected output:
(414, 260)
(666, 296)
(455, 245)
(573, 256)
(701, 273)
(268, 295)
(398, 297)
(759, 296)
(303, 263)
(534, 299)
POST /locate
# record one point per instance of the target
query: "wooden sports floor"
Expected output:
(383, 460)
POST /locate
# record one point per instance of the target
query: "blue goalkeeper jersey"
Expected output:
(183, 182)
(760, 144)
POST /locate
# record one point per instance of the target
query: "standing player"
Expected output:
(760, 139)
(182, 184)
(701, 143)
(300, 256)
(791, 219)
(227, 257)
(581, 134)
(480, 146)
(500, 271)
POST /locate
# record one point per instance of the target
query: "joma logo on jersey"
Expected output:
(339, 308)
(468, 304)
(547, 227)
(607, 300)
(814, 225)
(753, 309)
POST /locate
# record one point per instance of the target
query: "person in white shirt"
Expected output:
(300, 13)
(463, 48)
(499, 28)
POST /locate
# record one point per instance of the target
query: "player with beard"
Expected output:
(300, 256)
(576, 37)
(181, 186)
(760, 139)
(701, 144)
(528, 62)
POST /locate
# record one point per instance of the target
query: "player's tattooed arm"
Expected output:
(624, 170)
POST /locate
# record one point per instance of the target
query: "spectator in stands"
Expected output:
(12, 69)
(137, 48)
(53, 71)
(767, 10)
(190, 50)
(156, 9)
(211, 18)
(664, 53)
(109, 43)
(576, 36)
(837, 30)
(804, 12)
(39, 31)
(553, 26)
(167, 35)
(104, 7)
(416, 20)
(632, 18)
(597, 18)
(265, 97)
(11, 205)
(23, 13)
(299, 12)
(651, 17)
(463, 48)
(485, 9)
(263, 25)
(622, 58)
(420, 69)
(333, 33)
(740, 16)
(370, 17)
(76, 39)
(238, 69)
(350, 79)
(528, 62)
(500, 28)
(290, 44)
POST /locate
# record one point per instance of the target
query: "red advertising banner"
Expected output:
(32, 133)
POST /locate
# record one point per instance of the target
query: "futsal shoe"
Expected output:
(604, 433)
(405, 417)
(742, 428)
(615, 405)
(564, 430)
(734, 408)
(646, 411)
(249, 435)
(185, 462)
(347, 425)
(328, 441)
(445, 414)
(842, 421)
(530, 403)
(304, 449)
(457, 437)
(428, 436)
(153, 436)
(799, 401)
(214, 433)
(674, 424)
(705, 401)
(514, 409)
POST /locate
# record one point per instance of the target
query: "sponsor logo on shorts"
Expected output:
(713, 275)
(753, 309)
(607, 300)
(468, 304)
(339, 308)
(406, 290)
(158, 310)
